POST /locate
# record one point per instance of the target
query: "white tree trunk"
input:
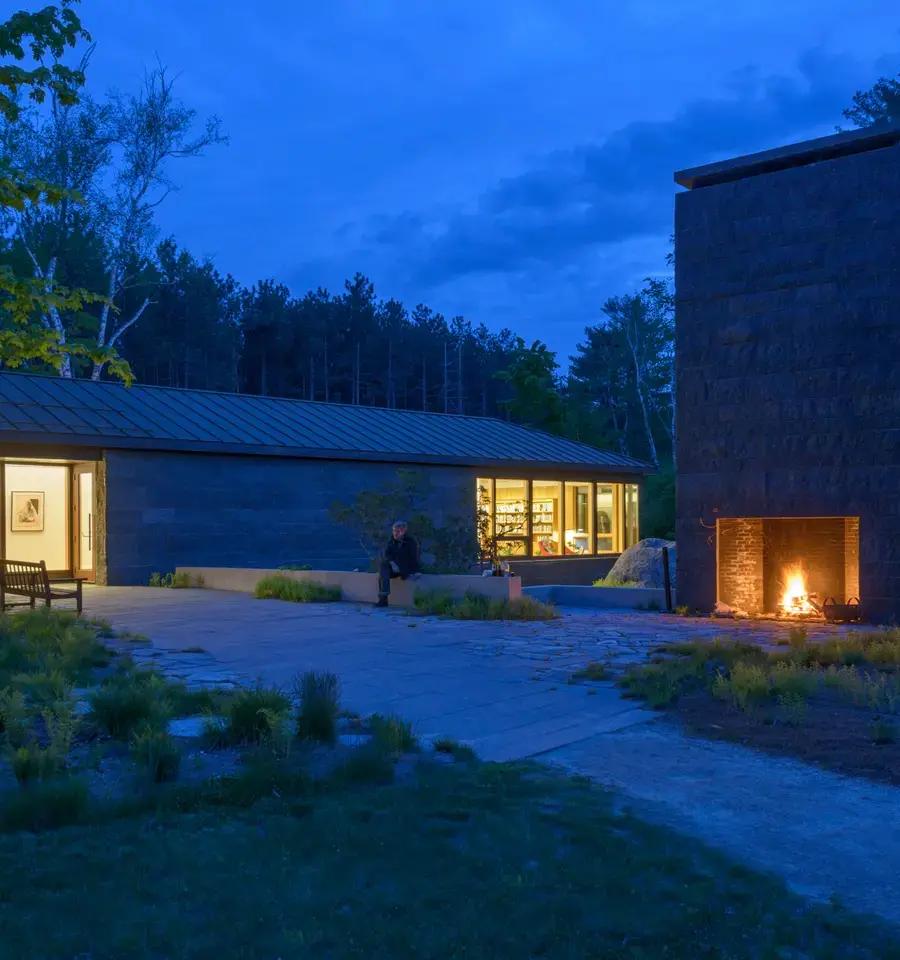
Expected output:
(633, 337)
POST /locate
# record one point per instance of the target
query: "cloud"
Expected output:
(615, 190)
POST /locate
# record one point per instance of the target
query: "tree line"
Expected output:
(88, 287)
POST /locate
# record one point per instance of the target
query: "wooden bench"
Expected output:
(25, 579)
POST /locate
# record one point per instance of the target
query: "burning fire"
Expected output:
(795, 597)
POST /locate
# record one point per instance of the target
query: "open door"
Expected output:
(83, 521)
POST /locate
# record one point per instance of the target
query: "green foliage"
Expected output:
(609, 581)
(682, 611)
(661, 684)
(392, 733)
(476, 606)
(657, 515)
(883, 731)
(129, 700)
(319, 698)
(459, 751)
(46, 805)
(27, 301)
(155, 753)
(279, 587)
(592, 671)
(368, 764)
(259, 715)
(295, 566)
(176, 581)
(794, 708)
(880, 103)
(536, 396)
(15, 721)
(453, 546)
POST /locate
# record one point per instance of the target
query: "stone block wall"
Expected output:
(787, 369)
(205, 510)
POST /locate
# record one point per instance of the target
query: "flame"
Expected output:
(794, 599)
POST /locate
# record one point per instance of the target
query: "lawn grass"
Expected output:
(476, 606)
(466, 861)
(280, 587)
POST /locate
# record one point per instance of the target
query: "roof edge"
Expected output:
(800, 154)
(43, 439)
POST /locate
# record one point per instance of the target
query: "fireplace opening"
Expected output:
(787, 567)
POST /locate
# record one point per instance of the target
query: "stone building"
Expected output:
(114, 483)
(788, 377)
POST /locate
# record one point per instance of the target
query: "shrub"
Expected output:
(176, 581)
(460, 751)
(257, 716)
(392, 733)
(44, 686)
(609, 581)
(750, 685)
(129, 699)
(319, 696)
(794, 707)
(476, 606)
(14, 719)
(279, 587)
(295, 566)
(793, 680)
(591, 671)
(45, 806)
(883, 732)
(155, 753)
(366, 764)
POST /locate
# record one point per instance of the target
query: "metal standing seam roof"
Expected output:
(41, 409)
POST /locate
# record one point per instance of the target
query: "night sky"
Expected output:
(510, 160)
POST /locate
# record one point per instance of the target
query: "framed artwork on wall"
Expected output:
(27, 512)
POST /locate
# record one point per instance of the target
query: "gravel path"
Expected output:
(826, 835)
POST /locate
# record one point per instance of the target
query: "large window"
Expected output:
(632, 526)
(553, 518)
(607, 517)
(546, 519)
(511, 517)
(579, 519)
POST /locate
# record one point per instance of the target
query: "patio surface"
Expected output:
(501, 687)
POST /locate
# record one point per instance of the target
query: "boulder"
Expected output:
(642, 563)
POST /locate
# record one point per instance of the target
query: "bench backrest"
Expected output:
(25, 577)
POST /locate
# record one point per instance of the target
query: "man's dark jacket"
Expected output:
(405, 553)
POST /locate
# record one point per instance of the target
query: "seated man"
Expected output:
(400, 559)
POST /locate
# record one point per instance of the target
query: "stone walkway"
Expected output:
(501, 687)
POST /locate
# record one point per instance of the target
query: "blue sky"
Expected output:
(510, 160)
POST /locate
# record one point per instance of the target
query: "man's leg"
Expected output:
(384, 583)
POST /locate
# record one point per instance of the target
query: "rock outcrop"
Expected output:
(643, 564)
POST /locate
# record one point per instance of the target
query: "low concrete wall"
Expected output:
(359, 587)
(603, 598)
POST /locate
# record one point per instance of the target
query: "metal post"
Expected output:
(667, 580)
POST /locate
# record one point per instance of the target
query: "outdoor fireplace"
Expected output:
(787, 567)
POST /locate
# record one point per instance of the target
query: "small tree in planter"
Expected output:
(452, 547)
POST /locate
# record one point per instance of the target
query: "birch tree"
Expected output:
(116, 155)
(32, 46)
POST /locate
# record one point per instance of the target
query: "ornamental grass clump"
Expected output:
(319, 704)
(280, 587)
(477, 606)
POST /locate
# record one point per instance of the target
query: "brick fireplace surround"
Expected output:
(788, 372)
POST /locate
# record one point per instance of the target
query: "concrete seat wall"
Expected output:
(360, 587)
